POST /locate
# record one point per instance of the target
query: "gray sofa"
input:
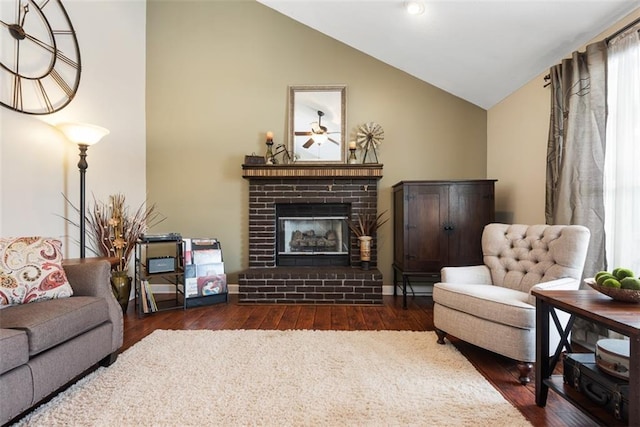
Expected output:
(44, 345)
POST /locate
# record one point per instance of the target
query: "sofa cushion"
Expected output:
(14, 349)
(49, 323)
(31, 270)
(494, 303)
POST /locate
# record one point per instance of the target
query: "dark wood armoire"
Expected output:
(438, 224)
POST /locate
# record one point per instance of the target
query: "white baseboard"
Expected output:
(233, 288)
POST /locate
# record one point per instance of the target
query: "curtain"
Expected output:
(622, 159)
(576, 146)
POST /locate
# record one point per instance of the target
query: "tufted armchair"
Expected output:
(491, 305)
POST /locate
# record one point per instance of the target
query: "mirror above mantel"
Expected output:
(317, 123)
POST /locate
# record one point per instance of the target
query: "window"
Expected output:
(622, 158)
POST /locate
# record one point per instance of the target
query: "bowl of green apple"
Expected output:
(621, 284)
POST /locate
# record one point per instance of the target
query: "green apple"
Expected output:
(604, 277)
(600, 273)
(611, 283)
(630, 283)
(621, 273)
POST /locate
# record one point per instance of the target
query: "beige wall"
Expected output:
(217, 77)
(517, 146)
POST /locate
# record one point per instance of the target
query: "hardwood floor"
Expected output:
(501, 372)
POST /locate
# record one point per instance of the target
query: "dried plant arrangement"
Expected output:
(366, 224)
(112, 230)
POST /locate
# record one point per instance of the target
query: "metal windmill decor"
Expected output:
(369, 136)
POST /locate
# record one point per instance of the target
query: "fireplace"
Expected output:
(312, 234)
(300, 248)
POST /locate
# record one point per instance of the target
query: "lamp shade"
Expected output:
(82, 133)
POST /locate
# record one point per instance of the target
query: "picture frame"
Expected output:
(317, 123)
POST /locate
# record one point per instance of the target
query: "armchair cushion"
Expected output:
(497, 304)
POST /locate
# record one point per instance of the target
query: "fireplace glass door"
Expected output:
(312, 241)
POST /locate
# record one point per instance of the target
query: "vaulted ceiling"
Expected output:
(478, 50)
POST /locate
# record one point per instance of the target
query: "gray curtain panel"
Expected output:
(576, 145)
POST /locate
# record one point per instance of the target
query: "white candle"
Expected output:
(352, 145)
(269, 135)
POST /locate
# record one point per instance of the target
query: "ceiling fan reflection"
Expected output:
(318, 133)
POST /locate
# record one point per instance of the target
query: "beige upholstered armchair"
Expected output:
(491, 305)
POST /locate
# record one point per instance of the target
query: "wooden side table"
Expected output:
(406, 275)
(591, 305)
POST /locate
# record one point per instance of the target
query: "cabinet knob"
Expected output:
(448, 227)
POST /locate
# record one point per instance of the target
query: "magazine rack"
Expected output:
(205, 281)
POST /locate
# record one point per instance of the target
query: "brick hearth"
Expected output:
(264, 281)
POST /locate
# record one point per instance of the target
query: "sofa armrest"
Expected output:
(477, 275)
(89, 278)
(94, 279)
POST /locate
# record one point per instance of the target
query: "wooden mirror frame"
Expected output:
(305, 103)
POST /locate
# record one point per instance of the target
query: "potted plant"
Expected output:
(364, 226)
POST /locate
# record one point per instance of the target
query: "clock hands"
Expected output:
(19, 34)
(17, 30)
(26, 10)
(52, 49)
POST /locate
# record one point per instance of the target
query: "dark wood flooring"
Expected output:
(500, 371)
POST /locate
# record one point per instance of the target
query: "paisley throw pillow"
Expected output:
(31, 270)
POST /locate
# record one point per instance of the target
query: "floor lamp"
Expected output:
(84, 135)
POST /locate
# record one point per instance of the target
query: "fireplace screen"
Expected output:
(312, 236)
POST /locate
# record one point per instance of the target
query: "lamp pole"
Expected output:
(84, 135)
(82, 166)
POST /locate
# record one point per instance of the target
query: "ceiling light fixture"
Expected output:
(414, 7)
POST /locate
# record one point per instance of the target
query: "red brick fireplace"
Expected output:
(325, 276)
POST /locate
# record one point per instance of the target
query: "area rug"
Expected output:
(283, 378)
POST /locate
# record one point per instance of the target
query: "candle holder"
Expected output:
(270, 159)
(352, 156)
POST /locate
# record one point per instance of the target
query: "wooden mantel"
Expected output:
(299, 170)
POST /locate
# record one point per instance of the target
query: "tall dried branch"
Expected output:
(112, 231)
(366, 224)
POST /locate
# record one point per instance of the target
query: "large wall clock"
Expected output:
(39, 56)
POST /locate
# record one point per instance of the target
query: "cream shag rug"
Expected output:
(283, 378)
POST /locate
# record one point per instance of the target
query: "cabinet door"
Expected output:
(471, 207)
(399, 226)
(426, 215)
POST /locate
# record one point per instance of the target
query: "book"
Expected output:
(190, 281)
(212, 284)
(207, 256)
(151, 299)
(143, 297)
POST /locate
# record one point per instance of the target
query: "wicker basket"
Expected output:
(626, 295)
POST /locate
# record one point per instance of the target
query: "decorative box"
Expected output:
(254, 160)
